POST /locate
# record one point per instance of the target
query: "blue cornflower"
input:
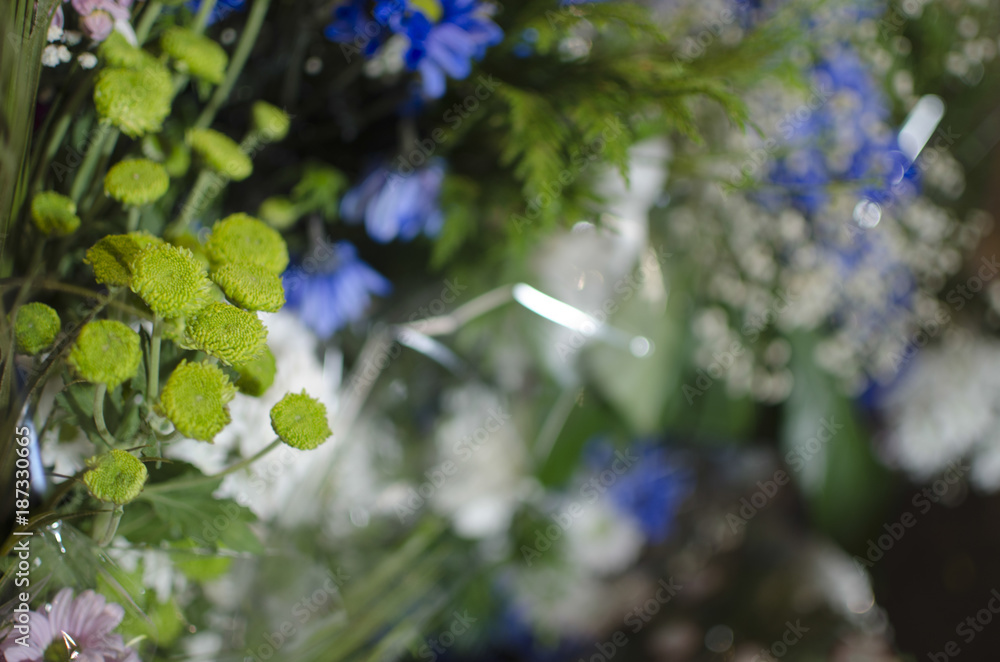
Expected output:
(353, 24)
(396, 205)
(221, 10)
(333, 291)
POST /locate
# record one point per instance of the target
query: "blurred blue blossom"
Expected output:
(332, 288)
(221, 10)
(396, 205)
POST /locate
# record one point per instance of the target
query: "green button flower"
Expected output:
(35, 327)
(195, 398)
(241, 238)
(170, 280)
(257, 375)
(250, 286)
(135, 101)
(116, 477)
(269, 122)
(300, 421)
(111, 258)
(115, 51)
(279, 212)
(232, 335)
(54, 214)
(195, 54)
(106, 352)
(220, 153)
(136, 182)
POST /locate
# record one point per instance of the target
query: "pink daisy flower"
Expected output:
(71, 629)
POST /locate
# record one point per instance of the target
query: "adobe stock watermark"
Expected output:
(636, 619)
(780, 647)
(431, 648)
(438, 475)
(968, 629)
(698, 42)
(590, 492)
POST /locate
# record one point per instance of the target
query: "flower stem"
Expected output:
(146, 22)
(201, 480)
(113, 520)
(201, 18)
(196, 201)
(100, 390)
(153, 369)
(133, 219)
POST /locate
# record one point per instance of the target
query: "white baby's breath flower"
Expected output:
(87, 60)
(50, 56)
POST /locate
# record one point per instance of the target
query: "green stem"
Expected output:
(133, 219)
(146, 22)
(201, 18)
(196, 200)
(83, 175)
(254, 22)
(112, 527)
(100, 390)
(201, 480)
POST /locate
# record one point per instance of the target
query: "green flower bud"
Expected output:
(242, 238)
(195, 54)
(232, 335)
(195, 398)
(170, 280)
(136, 182)
(112, 257)
(279, 212)
(54, 214)
(250, 286)
(117, 52)
(270, 122)
(257, 375)
(106, 352)
(135, 101)
(220, 153)
(116, 477)
(35, 327)
(300, 421)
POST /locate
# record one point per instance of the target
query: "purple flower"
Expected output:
(99, 17)
(332, 287)
(395, 204)
(78, 629)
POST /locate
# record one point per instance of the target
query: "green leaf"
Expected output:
(459, 196)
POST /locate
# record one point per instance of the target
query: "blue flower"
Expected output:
(221, 10)
(334, 291)
(395, 205)
(352, 23)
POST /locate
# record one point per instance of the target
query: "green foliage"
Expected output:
(257, 376)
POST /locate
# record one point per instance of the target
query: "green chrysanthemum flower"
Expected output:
(300, 421)
(115, 51)
(135, 101)
(54, 214)
(270, 123)
(112, 257)
(220, 153)
(232, 335)
(35, 327)
(195, 398)
(257, 375)
(170, 280)
(116, 477)
(136, 182)
(250, 286)
(279, 212)
(241, 238)
(195, 54)
(106, 352)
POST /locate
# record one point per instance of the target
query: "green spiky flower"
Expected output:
(270, 123)
(115, 51)
(220, 153)
(170, 280)
(300, 421)
(136, 182)
(257, 375)
(135, 101)
(250, 286)
(241, 238)
(106, 352)
(279, 212)
(54, 214)
(112, 257)
(195, 398)
(116, 477)
(35, 327)
(195, 54)
(232, 335)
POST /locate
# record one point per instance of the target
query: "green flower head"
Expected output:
(111, 258)
(35, 327)
(54, 214)
(195, 54)
(241, 238)
(300, 421)
(195, 398)
(136, 182)
(135, 101)
(220, 153)
(232, 335)
(106, 352)
(170, 280)
(117, 52)
(250, 286)
(116, 477)
(270, 123)
(279, 212)
(257, 375)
